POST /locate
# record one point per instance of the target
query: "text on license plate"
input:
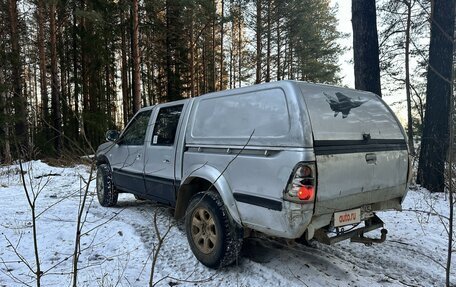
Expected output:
(347, 217)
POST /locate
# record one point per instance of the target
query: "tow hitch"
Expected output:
(356, 235)
(368, 241)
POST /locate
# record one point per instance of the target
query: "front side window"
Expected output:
(166, 125)
(136, 130)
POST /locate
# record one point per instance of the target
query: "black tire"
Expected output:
(107, 195)
(214, 240)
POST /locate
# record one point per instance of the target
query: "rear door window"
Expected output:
(166, 125)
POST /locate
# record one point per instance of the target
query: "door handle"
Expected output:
(138, 156)
(371, 158)
(166, 160)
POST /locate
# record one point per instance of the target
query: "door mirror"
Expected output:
(112, 135)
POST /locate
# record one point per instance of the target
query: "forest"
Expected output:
(72, 69)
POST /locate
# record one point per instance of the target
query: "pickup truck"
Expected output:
(287, 159)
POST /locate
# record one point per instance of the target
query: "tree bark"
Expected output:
(365, 46)
(278, 39)
(136, 59)
(214, 69)
(240, 43)
(435, 138)
(55, 91)
(192, 56)
(407, 78)
(42, 60)
(221, 45)
(124, 71)
(258, 32)
(19, 99)
(5, 128)
(268, 44)
(76, 61)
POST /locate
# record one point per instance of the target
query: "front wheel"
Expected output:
(107, 195)
(215, 241)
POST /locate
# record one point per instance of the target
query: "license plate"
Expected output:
(347, 217)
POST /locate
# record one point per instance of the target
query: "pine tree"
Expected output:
(365, 46)
(434, 142)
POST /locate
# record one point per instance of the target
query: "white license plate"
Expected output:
(347, 217)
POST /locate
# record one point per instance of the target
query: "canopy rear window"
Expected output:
(343, 114)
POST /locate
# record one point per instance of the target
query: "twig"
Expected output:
(161, 239)
(77, 246)
(427, 212)
(32, 202)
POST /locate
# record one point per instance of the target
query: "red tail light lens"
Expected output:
(306, 192)
(301, 187)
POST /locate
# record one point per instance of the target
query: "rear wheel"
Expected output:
(107, 195)
(215, 241)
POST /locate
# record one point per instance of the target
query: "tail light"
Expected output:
(302, 184)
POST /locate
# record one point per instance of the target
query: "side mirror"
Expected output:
(112, 135)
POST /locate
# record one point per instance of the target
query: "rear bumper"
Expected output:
(380, 199)
(322, 220)
(294, 219)
(356, 235)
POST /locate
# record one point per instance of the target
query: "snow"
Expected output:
(118, 243)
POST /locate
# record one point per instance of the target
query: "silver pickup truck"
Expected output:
(288, 159)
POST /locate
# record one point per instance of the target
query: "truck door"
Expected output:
(160, 153)
(127, 155)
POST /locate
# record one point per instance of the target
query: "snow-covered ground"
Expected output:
(118, 242)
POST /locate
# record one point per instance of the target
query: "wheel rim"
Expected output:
(100, 185)
(204, 232)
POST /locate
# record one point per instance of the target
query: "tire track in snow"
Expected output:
(318, 264)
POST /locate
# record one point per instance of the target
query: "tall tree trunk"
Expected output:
(42, 60)
(365, 46)
(84, 62)
(232, 44)
(407, 77)
(278, 39)
(239, 44)
(55, 91)
(268, 44)
(136, 59)
(19, 99)
(221, 45)
(435, 138)
(192, 56)
(62, 53)
(124, 71)
(258, 33)
(213, 49)
(75, 72)
(174, 52)
(170, 87)
(5, 128)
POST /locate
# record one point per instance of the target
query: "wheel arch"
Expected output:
(204, 178)
(102, 159)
